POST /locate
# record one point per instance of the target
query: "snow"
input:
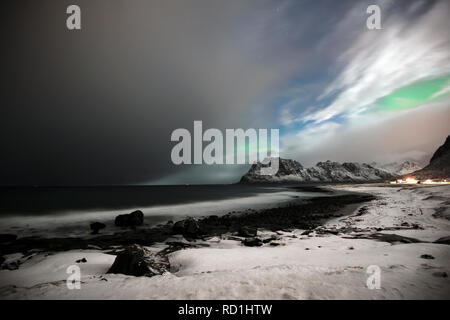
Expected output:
(44, 268)
(397, 205)
(399, 168)
(302, 267)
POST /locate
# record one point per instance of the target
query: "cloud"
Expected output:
(98, 106)
(443, 92)
(380, 61)
(407, 134)
(387, 99)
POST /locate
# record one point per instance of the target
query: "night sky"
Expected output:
(97, 106)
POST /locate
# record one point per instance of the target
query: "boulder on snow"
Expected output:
(252, 242)
(247, 232)
(188, 227)
(136, 218)
(138, 261)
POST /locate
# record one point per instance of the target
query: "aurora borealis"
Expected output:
(416, 94)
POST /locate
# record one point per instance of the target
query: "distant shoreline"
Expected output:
(296, 214)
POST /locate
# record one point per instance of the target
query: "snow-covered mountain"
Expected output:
(398, 168)
(328, 171)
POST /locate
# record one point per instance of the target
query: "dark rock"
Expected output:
(178, 227)
(322, 230)
(192, 228)
(440, 274)
(361, 211)
(6, 237)
(11, 266)
(439, 166)
(136, 218)
(444, 240)
(188, 227)
(212, 220)
(97, 226)
(121, 220)
(252, 242)
(137, 261)
(427, 256)
(2, 259)
(84, 260)
(247, 232)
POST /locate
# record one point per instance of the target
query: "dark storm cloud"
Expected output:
(97, 106)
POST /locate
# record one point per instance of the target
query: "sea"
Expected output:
(68, 211)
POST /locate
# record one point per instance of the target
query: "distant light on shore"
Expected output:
(415, 181)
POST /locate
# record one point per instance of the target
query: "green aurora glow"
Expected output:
(415, 94)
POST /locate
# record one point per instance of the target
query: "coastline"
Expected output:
(325, 258)
(293, 214)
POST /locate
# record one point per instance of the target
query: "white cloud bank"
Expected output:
(406, 50)
(381, 61)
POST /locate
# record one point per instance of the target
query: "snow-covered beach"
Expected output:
(395, 232)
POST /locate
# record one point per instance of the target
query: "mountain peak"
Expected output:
(439, 166)
(291, 171)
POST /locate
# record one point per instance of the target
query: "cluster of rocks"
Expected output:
(189, 228)
(136, 260)
(297, 215)
(133, 219)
